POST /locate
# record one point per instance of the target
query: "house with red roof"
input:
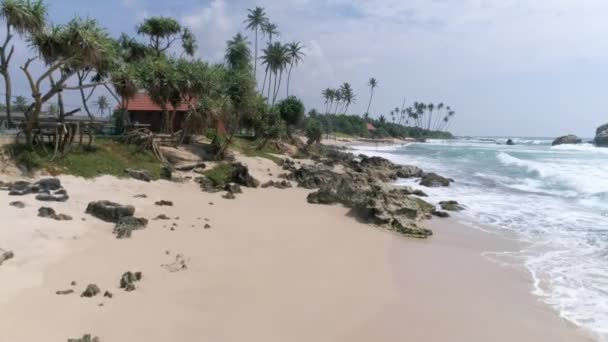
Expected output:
(370, 127)
(143, 111)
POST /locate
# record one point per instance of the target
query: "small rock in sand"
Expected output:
(140, 196)
(207, 226)
(128, 279)
(109, 211)
(229, 195)
(108, 294)
(64, 292)
(85, 338)
(17, 204)
(50, 213)
(91, 291)
(163, 203)
(162, 217)
(5, 255)
(451, 206)
(178, 265)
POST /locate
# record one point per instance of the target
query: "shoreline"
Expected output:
(272, 267)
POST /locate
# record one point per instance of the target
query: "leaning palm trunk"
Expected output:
(8, 95)
(289, 77)
(255, 61)
(276, 92)
(370, 102)
(264, 84)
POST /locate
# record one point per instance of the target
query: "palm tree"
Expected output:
(255, 21)
(295, 54)
(23, 17)
(372, 85)
(276, 58)
(338, 97)
(238, 54)
(348, 95)
(271, 30)
(431, 107)
(102, 104)
(328, 96)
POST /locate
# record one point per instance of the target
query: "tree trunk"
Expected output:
(276, 92)
(255, 61)
(8, 94)
(269, 84)
(165, 119)
(370, 101)
(264, 84)
(289, 77)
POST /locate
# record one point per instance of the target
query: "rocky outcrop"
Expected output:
(432, 180)
(241, 176)
(376, 203)
(127, 224)
(601, 136)
(313, 177)
(567, 139)
(142, 175)
(233, 188)
(109, 211)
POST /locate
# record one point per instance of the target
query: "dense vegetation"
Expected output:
(352, 125)
(107, 157)
(226, 97)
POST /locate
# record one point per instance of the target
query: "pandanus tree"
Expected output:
(65, 49)
(23, 17)
(163, 32)
(373, 84)
(296, 54)
(256, 19)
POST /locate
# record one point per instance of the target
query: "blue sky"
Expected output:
(508, 67)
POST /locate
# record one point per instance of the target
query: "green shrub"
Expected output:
(221, 174)
(314, 131)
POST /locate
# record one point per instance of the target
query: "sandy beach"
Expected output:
(271, 268)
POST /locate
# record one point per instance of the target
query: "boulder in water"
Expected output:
(432, 180)
(510, 142)
(567, 139)
(601, 136)
(451, 206)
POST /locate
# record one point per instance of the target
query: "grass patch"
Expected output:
(107, 157)
(221, 174)
(250, 148)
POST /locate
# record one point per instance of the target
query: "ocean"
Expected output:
(554, 198)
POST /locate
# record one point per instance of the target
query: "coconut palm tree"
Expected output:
(295, 53)
(102, 104)
(23, 17)
(238, 54)
(348, 95)
(338, 98)
(276, 58)
(328, 96)
(373, 84)
(256, 19)
(271, 30)
(430, 107)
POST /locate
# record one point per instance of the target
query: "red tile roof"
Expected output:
(370, 127)
(142, 102)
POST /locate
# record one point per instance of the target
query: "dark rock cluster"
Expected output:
(46, 190)
(128, 279)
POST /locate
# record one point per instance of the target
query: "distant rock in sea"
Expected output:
(510, 142)
(567, 139)
(601, 136)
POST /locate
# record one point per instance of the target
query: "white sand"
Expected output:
(271, 268)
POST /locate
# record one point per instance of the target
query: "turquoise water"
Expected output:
(555, 198)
